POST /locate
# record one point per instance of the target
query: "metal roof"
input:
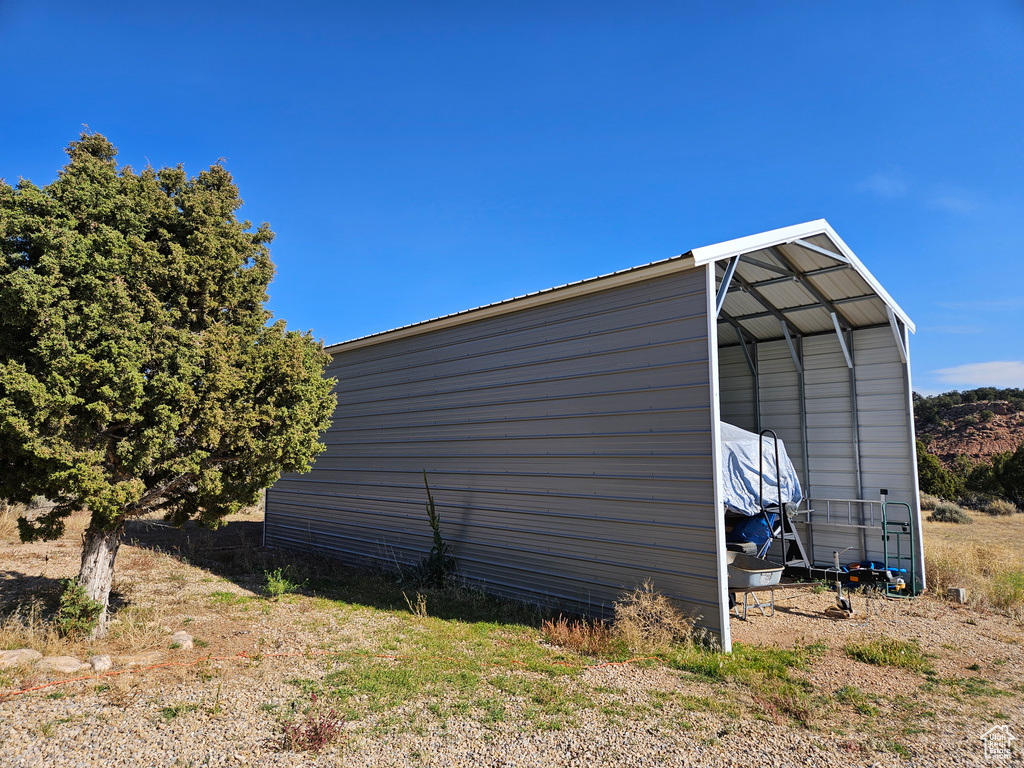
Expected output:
(799, 275)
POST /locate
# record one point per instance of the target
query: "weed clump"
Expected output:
(439, 566)
(278, 583)
(587, 638)
(949, 513)
(313, 731)
(647, 621)
(929, 502)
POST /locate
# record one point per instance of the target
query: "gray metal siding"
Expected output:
(568, 448)
(736, 388)
(779, 387)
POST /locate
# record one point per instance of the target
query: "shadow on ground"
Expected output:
(235, 552)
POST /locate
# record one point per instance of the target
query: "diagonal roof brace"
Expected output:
(894, 323)
(792, 350)
(742, 335)
(818, 249)
(723, 289)
(842, 341)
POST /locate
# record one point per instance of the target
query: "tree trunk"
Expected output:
(99, 548)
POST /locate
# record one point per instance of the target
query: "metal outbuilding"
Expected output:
(571, 436)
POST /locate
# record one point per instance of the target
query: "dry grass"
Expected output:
(987, 558)
(26, 628)
(9, 514)
(647, 621)
(584, 637)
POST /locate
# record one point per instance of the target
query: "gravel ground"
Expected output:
(230, 712)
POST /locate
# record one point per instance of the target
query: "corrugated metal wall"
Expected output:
(568, 448)
(736, 389)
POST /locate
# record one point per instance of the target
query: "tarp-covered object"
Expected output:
(741, 473)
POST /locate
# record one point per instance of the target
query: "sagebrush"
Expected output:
(949, 513)
(648, 622)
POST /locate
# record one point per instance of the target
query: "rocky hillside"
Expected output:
(968, 429)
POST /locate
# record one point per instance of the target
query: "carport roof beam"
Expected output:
(764, 302)
(811, 288)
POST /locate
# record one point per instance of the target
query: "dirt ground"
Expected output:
(210, 706)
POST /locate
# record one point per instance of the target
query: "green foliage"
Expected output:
(889, 652)
(278, 583)
(949, 513)
(1002, 477)
(439, 566)
(927, 409)
(986, 416)
(77, 613)
(933, 477)
(139, 369)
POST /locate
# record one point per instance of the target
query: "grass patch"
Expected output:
(856, 698)
(888, 652)
(176, 710)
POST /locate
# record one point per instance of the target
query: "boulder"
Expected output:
(65, 665)
(18, 657)
(100, 663)
(182, 640)
(140, 659)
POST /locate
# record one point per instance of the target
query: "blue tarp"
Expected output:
(740, 474)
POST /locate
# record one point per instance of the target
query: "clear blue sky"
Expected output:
(416, 159)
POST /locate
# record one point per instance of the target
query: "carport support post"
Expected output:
(856, 440)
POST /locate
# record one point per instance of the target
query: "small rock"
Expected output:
(18, 657)
(182, 640)
(66, 665)
(100, 663)
(139, 659)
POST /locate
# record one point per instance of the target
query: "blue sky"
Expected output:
(417, 159)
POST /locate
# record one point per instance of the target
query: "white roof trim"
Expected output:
(787, 235)
(696, 257)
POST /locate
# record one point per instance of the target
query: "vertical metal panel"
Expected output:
(779, 388)
(886, 423)
(568, 447)
(736, 389)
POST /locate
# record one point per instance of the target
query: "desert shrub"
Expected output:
(986, 415)
(971, 419)
(647, 621)
(975, 500)
(584, 637)
(949, 513)
(78, 614)
(1000, 508)
(929, 502)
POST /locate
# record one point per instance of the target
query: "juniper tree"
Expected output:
(139, 368)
